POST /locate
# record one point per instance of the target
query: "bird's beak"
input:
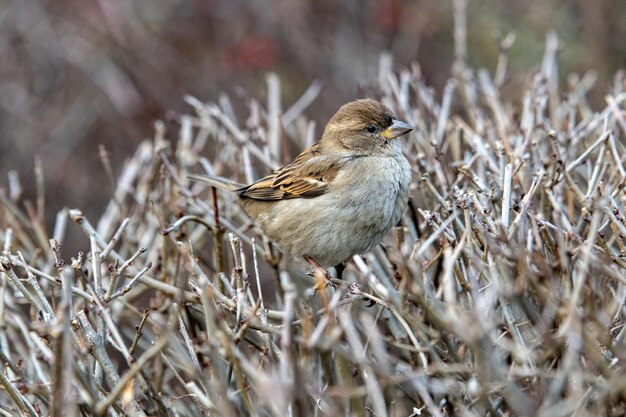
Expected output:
(398, 128)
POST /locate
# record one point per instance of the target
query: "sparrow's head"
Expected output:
(364, 126)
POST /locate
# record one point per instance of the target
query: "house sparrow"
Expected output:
(340, 196)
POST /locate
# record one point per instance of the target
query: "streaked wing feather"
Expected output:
(306, 177)
(305, 188)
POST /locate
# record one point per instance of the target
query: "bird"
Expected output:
(340, 196)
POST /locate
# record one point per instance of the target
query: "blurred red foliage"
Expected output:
(254, 53)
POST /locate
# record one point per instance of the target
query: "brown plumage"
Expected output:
(338, 197)
(296, 180)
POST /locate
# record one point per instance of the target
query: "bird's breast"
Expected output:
(375, 188)
(364, 201)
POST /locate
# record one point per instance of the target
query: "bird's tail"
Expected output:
(217, 182)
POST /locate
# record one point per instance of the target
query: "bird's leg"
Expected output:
(319, 273)
(339, 268)
(317, 268)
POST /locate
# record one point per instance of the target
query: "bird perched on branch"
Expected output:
(340, 196)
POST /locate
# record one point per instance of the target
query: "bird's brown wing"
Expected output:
(306, 177)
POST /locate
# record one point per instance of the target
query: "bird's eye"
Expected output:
(371, 128)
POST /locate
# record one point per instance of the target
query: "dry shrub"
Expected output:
(502, 293)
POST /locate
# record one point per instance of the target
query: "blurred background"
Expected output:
(77, 74)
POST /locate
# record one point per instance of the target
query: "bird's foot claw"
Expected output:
(369, 301)
(321, 275)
